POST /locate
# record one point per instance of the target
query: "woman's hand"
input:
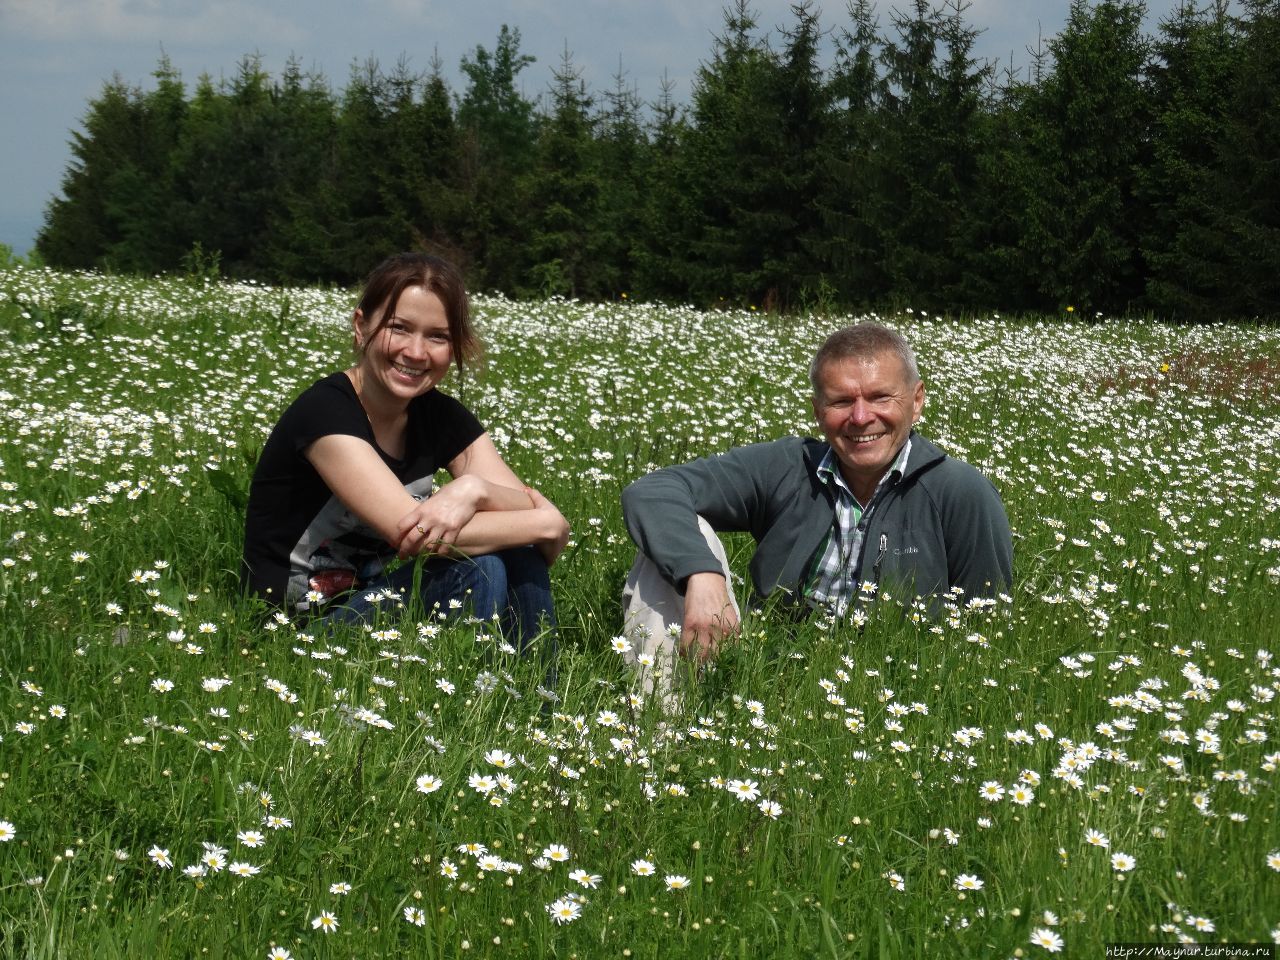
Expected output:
(557, 534)
(433, 525)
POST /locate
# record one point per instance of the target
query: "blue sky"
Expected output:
(56, 54)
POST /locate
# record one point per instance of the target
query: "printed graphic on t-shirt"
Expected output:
(338, 546)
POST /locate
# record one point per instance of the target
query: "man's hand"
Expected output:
(709, 617)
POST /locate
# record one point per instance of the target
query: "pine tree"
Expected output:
(118, 205)
(229, 168)
(564, 191)
(665, 209)
(728, 168)
(927, 166)
(300, 229)
(1226, 255)
(1249, 161)
(791, 269)
(622, 157)
(1086, 147)
(497, 128)
(848, 245)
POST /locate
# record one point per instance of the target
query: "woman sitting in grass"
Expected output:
(344, 483)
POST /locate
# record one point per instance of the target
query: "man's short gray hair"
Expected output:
(864, 341)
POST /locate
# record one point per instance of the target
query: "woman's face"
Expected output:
(408, 354)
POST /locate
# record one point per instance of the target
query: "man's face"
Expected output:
(866, 408)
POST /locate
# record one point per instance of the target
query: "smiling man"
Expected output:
(875, 503)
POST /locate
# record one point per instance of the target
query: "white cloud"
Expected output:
(161, 21)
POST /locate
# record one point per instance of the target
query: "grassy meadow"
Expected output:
(1093, 759)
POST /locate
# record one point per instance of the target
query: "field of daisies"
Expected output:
(1092, 759)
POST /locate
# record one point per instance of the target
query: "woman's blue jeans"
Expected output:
(512, 585)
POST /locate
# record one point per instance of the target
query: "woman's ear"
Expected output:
(357, 321)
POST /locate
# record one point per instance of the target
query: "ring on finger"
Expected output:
(420, 528)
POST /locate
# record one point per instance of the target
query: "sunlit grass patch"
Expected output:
(1092, 760)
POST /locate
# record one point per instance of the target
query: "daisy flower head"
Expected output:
(564, 910)
(499, 758)
(770, 808)
(968, 881)
(251, 838)
(241, 869)
(1044, 937)
(8, 831)
(1021, 795)
(326, 921)
(620, 644)
(675, 882)
(428, 783)
(160, 858)
(556, 852)
(279, 953)
(991, 791)
(1122, 862)
(1096, 838)
(744, 790)
(415, 916)
(1273, 858)
(643, 868)
(481, 783)
(588, 880)
(341, 888)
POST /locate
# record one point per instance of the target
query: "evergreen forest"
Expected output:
(871, 161)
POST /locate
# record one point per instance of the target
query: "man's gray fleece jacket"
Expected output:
(942, 525)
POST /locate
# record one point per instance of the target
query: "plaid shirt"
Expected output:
(833, 578)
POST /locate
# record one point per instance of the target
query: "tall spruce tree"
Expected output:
(997, 271)
(230, 167)
(1241, 246)
(665, 210)
(117, 204)
(564, 192)
(1083, 216)
(417, 175)
(498, 130)
(926, 168)
(729, 157)
(802, 104)
(1190, 81)
(622, 156)
(300, 229)
(440, 209)
(848, 246)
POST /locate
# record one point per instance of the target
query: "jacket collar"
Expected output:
(922, 457)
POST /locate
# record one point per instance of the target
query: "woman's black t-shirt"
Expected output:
(298, 536)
